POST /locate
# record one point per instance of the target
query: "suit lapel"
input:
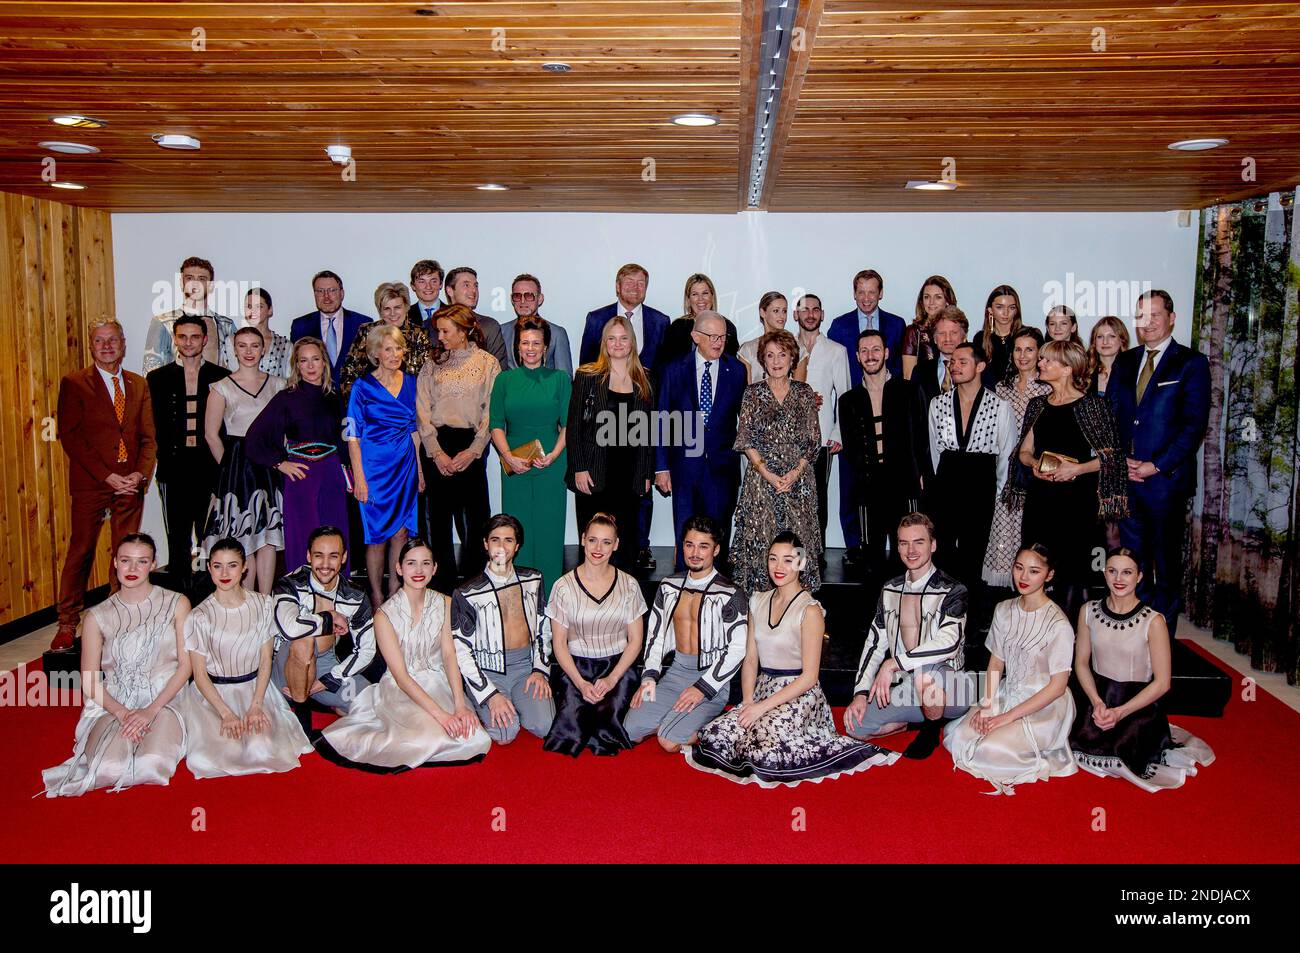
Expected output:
(1168, 367)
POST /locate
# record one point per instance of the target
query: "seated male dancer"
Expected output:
(502, 636)
(912, 661)
(700, 617)
(325, 639)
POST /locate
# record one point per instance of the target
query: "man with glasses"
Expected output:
(331, 322)
(526, 298)
(827, 372)
(698, 465)
(462, 288)
(426, 282)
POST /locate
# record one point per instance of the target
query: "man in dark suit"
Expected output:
(1159, 393)
(934, 377)
(331, 322)
(462, 288)
(649, 326)
(868, 289)
(105, 424)
(885, 430)
(703, 473)
(187, 473)
(426, 282)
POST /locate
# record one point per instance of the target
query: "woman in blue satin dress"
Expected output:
(382, 435)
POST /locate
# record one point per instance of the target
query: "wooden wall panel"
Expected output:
(57, 268)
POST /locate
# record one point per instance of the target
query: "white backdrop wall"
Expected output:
(1097, 262)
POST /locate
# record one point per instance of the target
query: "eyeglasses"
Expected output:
(711, 338)
(523, 296)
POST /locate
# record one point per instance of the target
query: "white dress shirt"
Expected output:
(699, 375)
(828, 375)
(335, 319)
(108, 381)
(637, 320)
(1160, 350)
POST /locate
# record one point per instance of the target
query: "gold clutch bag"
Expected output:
(528, 452)
(1051, 461)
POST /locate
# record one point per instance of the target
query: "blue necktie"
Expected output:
(332, 343)
(706, 392)
(428, 313)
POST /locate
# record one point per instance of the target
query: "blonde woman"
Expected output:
(383, 436)
(392, 303)
(699, 296)
(611, 476)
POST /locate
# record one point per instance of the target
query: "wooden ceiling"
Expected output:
(1032, 114)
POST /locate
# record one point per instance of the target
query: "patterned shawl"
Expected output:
(1092, 413)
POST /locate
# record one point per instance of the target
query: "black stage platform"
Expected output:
(1199, 687)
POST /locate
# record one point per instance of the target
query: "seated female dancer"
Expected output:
(597, 624)
(133, 665)
(1121, 658)
(416, 715)
(782, 732)
(234, 725)
(1019, 731)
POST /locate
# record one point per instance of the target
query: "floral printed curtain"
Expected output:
(1243, 578)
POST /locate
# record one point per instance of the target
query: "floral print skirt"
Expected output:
(794, 742)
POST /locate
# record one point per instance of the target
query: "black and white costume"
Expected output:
(969, 473)
(352, 663)
(722, 625)
(939, 651)
(487, 667)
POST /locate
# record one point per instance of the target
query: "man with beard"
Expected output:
(883, 425)
(700, 617)
(325, 643)
(826, 369)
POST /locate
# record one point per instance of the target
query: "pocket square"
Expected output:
(1168, 383)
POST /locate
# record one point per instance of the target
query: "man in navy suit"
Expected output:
(331, 322)
(1160, 395)
(705, 387)
(868, 289)
(649, 327)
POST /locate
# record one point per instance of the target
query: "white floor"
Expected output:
(29, 647)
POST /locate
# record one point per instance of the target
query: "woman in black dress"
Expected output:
(1072, 472)
(1001, 322)
(611, 457)
(700, 296)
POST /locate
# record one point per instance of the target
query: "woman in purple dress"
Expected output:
(298, 433)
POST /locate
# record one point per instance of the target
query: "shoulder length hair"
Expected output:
(600, 366)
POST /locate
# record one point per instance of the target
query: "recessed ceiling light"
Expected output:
(175, 140)
(492, 187)
(67, 185)
(1197, 145)
(79, 122)
(556, 67)
(696, 119)
(927, 185)
(339, 154)
(70, 148)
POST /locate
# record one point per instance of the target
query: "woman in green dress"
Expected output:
(531, 402)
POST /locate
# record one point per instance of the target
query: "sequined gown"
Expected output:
(1004, 538)
(782, 433)
(139, 658)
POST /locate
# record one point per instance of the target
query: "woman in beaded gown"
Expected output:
(133, 666)
(416, 715)
(1121, 658)
(1004, 538)
(780, 435)
(248, 503)
(235, 723)
(782, 732)
(1019, 732)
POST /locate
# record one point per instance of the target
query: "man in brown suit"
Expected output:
(105, 422)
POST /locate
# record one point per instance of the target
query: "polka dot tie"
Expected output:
(119, 405)
(706, 392)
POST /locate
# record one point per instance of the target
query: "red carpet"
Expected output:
(646, 806)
